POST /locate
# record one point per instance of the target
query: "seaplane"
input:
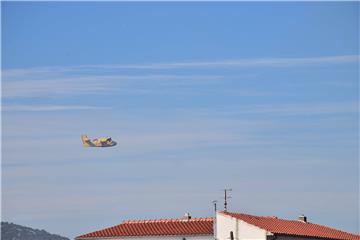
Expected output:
(97, 142)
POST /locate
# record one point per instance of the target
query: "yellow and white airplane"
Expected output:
(97, 142)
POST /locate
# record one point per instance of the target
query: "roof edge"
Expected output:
(134, 236)
(224, 213)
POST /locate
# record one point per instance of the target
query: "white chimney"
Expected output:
(187, 216)
(302, 218)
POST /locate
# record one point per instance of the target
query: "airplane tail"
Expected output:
(86, 141)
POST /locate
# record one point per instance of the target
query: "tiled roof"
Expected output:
(293, 227)
(184, 227)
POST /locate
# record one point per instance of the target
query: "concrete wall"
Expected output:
(224, 225)
(241, 230)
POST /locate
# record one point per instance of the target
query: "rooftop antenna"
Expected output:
(214, 224)
(226, 190)
(215, 208)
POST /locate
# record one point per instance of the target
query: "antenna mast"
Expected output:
(226, 197)
(215, 208)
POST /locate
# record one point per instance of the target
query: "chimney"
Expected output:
(302, 218)
(187, 216)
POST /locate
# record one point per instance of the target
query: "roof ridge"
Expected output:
(156, 227)
(165, 220)
(332, 228)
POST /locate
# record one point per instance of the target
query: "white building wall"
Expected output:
(198, 237)
(224, 225)
(241, 230)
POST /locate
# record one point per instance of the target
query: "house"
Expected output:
(172, 229)
(227, 226)
(241, 226)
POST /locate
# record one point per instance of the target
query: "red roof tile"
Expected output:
(292, 227)
(194, 226)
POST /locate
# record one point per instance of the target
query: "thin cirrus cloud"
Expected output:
(302, 109)
(77, 80)
(66, 81)
(37, 85)
(49, 108)
(233, 63)
(237, 63)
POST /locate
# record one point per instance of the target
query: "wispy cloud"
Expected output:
(236, 63)
(229, 63)
(85, 79)
(166, 131)
(301, 109)
(50, 108)
(75, 80)
(36, 85)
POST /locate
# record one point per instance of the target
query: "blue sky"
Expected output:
(259, 97)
